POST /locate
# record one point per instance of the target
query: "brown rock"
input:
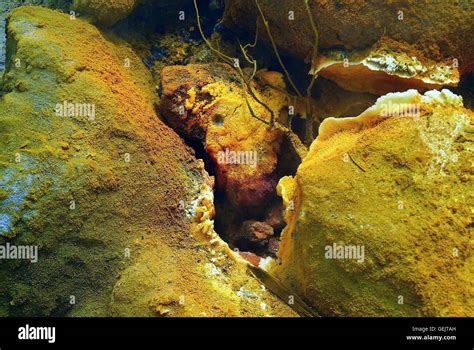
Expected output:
(206, 102)
(255, 231)
(434, 26)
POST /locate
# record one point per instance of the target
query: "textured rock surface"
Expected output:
(385, 67)
(116, 202)
(2, 40)
(256, 233)
(398, 181)
(105, 12)
(431, 28)
(108, 12)
(206, 103)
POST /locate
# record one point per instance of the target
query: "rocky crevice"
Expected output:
(205, 105)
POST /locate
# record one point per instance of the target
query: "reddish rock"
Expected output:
(253, 191)
(206, 103)
(256, 232)
(251, 258)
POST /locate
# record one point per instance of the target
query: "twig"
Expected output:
(315, 30)
(238, 69)
(353, 161)
(309, 113)
(275, 49)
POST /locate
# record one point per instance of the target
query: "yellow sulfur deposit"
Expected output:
(105, 12)
(379, 215)
(178, 158)
(81, 142)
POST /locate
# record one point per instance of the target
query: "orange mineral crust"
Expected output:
(118, 205)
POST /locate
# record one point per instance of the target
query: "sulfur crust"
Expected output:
(107, 12)
(129, 248)
(410, 207)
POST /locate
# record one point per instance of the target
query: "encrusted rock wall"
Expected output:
(117, 204)
(431, 27)
(396, 184)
